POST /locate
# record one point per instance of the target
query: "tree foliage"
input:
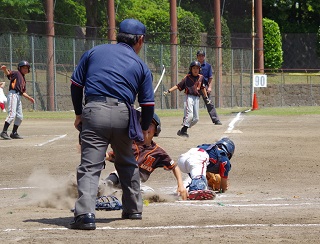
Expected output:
(299, 16)
(14, 11)
(318, 42)
(225, 42)
(273, 54)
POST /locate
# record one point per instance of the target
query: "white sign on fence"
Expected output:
(260, 80)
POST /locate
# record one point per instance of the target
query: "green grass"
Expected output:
(272, 111)
(287, 111)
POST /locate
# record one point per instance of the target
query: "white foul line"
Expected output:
(232, 123)
(54, 139)
(17, 188)
(176, 227)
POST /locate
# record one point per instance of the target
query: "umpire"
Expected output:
(110, 75)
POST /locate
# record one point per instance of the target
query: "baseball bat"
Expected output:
(161, 77)
(159, 82)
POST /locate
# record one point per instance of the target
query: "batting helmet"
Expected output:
(157, 122)
(24, 63)
(227, 145)
(194, 63)
(201, 52)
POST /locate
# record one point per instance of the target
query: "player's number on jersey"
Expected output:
(260, 81)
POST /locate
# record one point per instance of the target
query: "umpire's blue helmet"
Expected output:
(157, 122)
(227, 145)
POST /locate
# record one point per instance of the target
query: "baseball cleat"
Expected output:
(202, 195)
(5, 136)
(15, 136)
(182, 134)
(218, 122)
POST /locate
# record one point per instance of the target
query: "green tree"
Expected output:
(226, 41)
(67, 15)
(189, 27)
(300, 16)
(318, 42)
(14, 12)
(273, 54)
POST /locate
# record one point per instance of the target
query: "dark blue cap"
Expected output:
(201, 52)
(132, 26)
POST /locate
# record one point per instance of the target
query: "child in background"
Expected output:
(192, 83)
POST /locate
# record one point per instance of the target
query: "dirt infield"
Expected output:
(273, 195)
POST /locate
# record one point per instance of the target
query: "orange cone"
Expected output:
(255, 105)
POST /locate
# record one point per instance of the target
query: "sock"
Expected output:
(15, 128)
(6, 126)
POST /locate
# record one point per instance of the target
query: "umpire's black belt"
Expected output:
(103, 99)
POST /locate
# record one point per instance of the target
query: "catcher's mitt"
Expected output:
(108, 203)
(214, 181)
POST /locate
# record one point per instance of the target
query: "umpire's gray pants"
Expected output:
(104, 124)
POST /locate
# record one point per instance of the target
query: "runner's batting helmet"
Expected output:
(227, 145)
(24, 63)
(194, 63)
(157, 122)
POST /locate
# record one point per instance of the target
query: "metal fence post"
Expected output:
(33, 73)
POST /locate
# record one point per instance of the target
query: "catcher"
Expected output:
(219, 167)
(208, 166)
(149, 157)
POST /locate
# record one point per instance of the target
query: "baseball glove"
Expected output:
(214, 181)
(108, 203)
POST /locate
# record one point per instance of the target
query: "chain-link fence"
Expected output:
(284, 89)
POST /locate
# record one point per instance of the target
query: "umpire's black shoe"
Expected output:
(218, 122)
(5, 136)
(131, 216)
(15, 136)
(84, 222)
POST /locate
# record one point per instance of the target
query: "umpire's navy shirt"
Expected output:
(114, 70)
(206, 71)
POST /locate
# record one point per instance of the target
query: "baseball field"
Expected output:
(273, 196)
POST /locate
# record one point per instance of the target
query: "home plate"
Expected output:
(233, 132)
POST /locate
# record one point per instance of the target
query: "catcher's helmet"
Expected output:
(227, 145)
(201, 52)
(24, 63)
(157, 122)
(194, 63)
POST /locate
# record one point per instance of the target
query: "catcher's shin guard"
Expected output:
(108, 203)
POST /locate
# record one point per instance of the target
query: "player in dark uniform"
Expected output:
(149, 157)
(111, 75)
(17, 89)
(206, 71)
(192, 83)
